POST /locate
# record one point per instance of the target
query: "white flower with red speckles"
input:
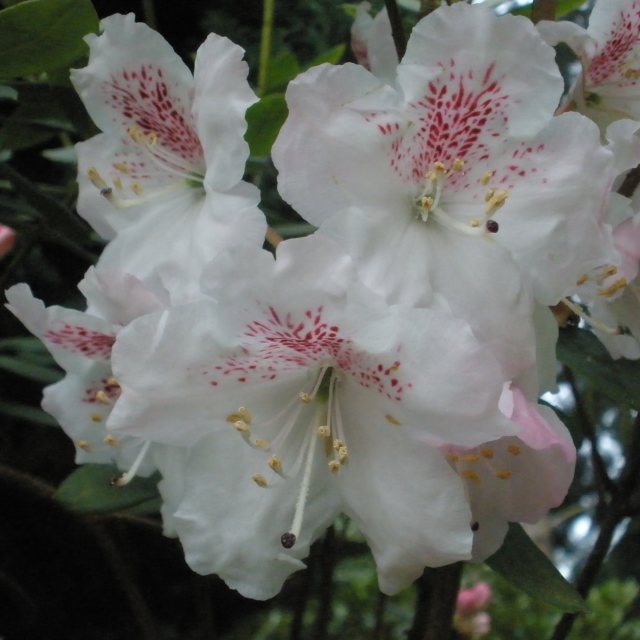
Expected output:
(457, 177)
(81, 344)
(609, 86)
(303, 394)
(164, 179)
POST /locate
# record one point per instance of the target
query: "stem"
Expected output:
(397, 29)
(436, 603)
(427, 6)
(327, 564)
(268, 9)
(381, 605)
(543, 10)
(149, 13)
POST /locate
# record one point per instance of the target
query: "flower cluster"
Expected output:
(386, 367)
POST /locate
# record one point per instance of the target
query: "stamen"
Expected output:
(504, 474)
(260, 480)
(596, 324)
(276, 465)
(486, 177)
(487, 452)
(85, 445)
(514, 449)
(496, 201)
(102, 397)
(392, 420)
(111, 440)
(618, 285)
(126, 478)
(95, 417)
(289, 539)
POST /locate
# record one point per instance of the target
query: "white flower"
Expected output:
(302, 394)
(81, 344)
(456, 181)
(164, 179)
(609, 50)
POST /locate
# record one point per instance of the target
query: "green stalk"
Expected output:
(268, 9)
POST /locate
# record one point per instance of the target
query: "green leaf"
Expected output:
(332, 56)
(283, 67)
(42, 35)
(88, 490)
(46, 375)
(563, 7)
(581, 350)
(521, 562)
(264, 120)
(27, 413)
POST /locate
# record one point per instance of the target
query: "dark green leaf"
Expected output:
(264, 120)
(563, 7)
(580, 350)
(41, 35)
(283, 67)
(27, 413)
(88, 490)
(46, 375)
(521, 562)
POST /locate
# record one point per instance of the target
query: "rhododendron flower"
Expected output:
(81, 344)
(457, 179)
(470, 619)
(609, 50)
(515, 478)
(304, 394)
(164, 179)
(372, 43)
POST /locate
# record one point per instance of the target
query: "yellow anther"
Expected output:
(324, 431)
(135, 134)
(96, 179)
(112, 382)
(619, 284)
(394, 368)
(136, 187)
(392, 420)
(496, 201)
(84, 445)
(609, 271)
(275, 463)
(453, 457)
(343, 454)
(468, 474)
(95, 417)
(303, 396)
(241, 426)
(152, 138)
(334, 466)
(439, 167)
(458, 165)
(260, 480)
(470, 457)
(241, 414)
(487, 452)
(111, 440)
(490, 193)
(504, 474)
(426, 202)
(117, 183)
(337, 443)
(475, 223)
(582, 279)
(631, 74)
(486, 177)
(514, 449)
(261, 443)
(102, 397)
(121, 167)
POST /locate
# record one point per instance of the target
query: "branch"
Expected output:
(543, 10)
(397, 29)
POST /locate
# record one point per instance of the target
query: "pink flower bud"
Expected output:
(7, 240)
(473, 600)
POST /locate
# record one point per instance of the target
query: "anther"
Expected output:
(121, 166)
(324, 431)
(303, 396)
(496, 201)
(582, 279)
(458, 165)
(102, 397)
(241, 426)
(334, 466)
(468, 474)
(514, 450)
(470, 457)
(486, 452)
(261, 443)
(504, 474)
(95, 417)
(486, 177)
(85, 445)
(475, 526)
(275, 463)
(343, 454)
(107, 192)
(392, 420)
(288, 540)
(260, 480)
(619, 284)
(111, 440)
(492, 226)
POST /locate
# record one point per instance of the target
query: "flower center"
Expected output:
(428, 203)
(126, 190)
(313, 413)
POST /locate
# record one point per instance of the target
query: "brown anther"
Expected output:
(85, 445)
(241, 426)
(514, 449)
(468, 474)
(95, 417)
(618, 285)
(334, 466)
(470, 457)
(303, 396)
(504, 474)
(275, 463)
(261, 443)
(260, 480)
(288, 540)
(324, 431)
(392, 420)
(582, 279)
(487, 452)
(111, 440)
